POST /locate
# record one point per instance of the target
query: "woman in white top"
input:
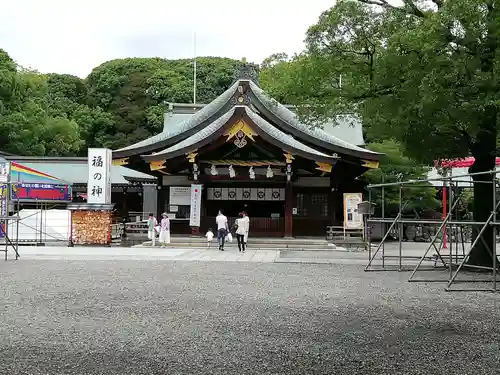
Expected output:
(247, 226)
(241, 230)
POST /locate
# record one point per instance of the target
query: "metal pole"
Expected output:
(411, 182)
(471, 247)
(194, 68)
(494, 234)
(367, 227)
(400, 235)
(445, 241)
(450, 199)
(434, 238)
(380, 245)
(384, 226)
(17, 230)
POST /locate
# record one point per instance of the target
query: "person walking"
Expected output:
(152, 224)
(247, 226)
(164, 230)
(241, 229)
(222, 228)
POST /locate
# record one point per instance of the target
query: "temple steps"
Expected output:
(261, 243)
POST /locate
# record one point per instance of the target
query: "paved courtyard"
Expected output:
(178, 317)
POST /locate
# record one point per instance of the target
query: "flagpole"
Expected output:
(194, 69)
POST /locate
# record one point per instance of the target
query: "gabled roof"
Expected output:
(274, 117)
(264, 129)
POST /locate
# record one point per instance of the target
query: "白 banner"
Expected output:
(195, 211)
(352, 218)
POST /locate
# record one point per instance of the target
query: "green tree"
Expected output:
(395, 167)
(134, 91)
(425, 73)
(27, 126)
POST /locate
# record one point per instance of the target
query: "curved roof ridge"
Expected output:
(202, 115)
(288, 140)
(197, 137)
(286, 115)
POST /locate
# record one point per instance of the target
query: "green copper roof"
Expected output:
(290, 118)
(188, 123)
(197, 137)
(288, 140)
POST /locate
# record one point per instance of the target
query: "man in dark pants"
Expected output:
(222, 228)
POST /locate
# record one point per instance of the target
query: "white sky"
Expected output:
(68, 36)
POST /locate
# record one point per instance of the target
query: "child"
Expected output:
(152, 223)
(210, 237)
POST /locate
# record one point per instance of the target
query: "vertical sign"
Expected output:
(195, 211)
(99, 181)
(4, 194)
(352, 218)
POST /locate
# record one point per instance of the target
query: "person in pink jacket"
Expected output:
(164, 230)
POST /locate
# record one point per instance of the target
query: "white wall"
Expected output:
(54, 225)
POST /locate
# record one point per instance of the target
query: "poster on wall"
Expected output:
(179, 195)
(194, 216)
(352, 218)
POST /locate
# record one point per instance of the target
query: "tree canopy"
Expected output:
(424, 73)
(121, 102)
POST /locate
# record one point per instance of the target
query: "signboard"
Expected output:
(194, 215)
(4, 171)
(180, 195)
(352, 218)
(4, 201)
(99, 180)
(40, 192)
(4, 193)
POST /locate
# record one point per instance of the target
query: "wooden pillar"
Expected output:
(289, 203)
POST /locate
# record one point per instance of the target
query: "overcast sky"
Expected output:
(73, 37)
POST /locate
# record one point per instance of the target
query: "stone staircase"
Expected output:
(257, 243)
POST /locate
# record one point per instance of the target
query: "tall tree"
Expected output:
(134, 91)
(425, 73)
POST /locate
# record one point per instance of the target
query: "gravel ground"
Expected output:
(145, 317)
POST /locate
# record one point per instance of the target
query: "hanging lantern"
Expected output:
(269, 172)
(288, 172)
(213, 170)
(251, 173)
(195, 172)
(232, 173)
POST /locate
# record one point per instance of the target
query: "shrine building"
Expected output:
(250, 153)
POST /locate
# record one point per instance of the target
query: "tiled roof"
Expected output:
(199, 136)
(290, 118)
(288, 140)
(190, 122)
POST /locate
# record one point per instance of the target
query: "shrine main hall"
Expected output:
(249, 152)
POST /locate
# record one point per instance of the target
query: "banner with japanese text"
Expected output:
(195, 209)
(40, 192)
(352, 218)
(99, 179)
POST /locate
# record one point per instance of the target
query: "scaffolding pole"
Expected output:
(453, 228)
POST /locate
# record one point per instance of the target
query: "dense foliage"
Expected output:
(424, 72)
(119, 103)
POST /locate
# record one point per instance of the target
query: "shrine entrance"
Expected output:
(265, 206)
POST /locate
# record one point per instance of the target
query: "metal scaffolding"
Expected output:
(6, 240)
(451, 260)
